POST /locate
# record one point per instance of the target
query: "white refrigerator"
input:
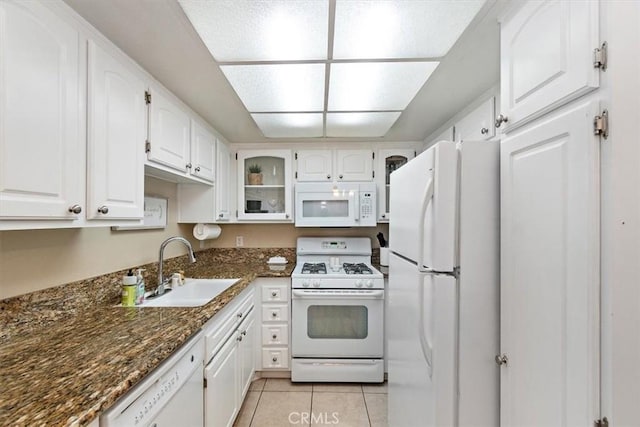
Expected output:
(443, 295)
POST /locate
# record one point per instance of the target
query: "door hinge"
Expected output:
(415, 153)
(296, 155)
(205, 383)
(147, 146)
(147, 97)
(604, 422)
(373, 154)
(236, 213)
(373, 174)
(236, 156)
(601, 124)
(296, 174)
(600, 57)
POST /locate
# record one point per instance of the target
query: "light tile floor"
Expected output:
(277, 402)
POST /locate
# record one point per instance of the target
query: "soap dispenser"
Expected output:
(140, 290)
(129, 289)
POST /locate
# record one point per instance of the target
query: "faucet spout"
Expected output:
(192, 258)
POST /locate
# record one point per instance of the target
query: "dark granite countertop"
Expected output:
(67, 353)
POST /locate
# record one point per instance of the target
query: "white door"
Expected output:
(223, 163)
(478, 125)
(169, 133)
(423, 208)
(546, 56)
(314, 165)
(354, 165)
(42, 150)
(550, 272)
(222, 391)
(203, 152)
(247, 353)
(422, 354)
(116, 131)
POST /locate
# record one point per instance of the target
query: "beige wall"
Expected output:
(31, 260)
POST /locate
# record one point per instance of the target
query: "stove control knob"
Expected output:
(316, 283)
(369, 283)
(305, 283)
(358, 283)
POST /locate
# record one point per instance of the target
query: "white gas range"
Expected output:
(337, 317)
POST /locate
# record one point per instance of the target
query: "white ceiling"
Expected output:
(158, 35)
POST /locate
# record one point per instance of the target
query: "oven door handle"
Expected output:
(303, 294)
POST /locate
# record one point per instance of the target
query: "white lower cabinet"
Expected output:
(230, 351)
(274, 300)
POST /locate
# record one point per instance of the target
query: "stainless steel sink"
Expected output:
(194, 293)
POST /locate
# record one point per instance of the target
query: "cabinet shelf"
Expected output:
(264, 186)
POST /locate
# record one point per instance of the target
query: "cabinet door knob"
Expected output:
(340, 176)
(103, 210)
(274, 294)
(484, 131)
(220, 216)
(189, 165)
(384, 216)
(275, 359)
(239, 338)
(239, 315)
(274, 336)
(274, 314)
(501, 119)
(244, 332)
(502, 359)
(287, 216)
(76, 209)
(197, 169)
(328, 176)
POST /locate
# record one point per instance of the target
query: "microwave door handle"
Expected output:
(356, 203)
(426, 201)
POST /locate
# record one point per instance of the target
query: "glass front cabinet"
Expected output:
(264, 185)
(388, 160)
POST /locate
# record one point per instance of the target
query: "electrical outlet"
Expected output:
(239, 241)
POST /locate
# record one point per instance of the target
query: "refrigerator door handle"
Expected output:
(426, 346)
(426, 201)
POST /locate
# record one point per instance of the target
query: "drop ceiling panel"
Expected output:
(360, 124)
(376, 85)
(242, 30)
(289, 125)
(278, 87)
(400, 29)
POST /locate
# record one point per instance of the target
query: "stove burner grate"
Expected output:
(352, 268)
(314, 268)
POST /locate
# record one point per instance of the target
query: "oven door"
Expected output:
(323, 207)
(337, 323)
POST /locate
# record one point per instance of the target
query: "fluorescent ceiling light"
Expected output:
(242, 30)
(278, 87)
(360, 124)
(289, 125)
(400, 29)
(376, 85)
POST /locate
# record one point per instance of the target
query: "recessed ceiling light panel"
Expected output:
(400, 29)
(376, 85)
(278, 87)
(289, 125)
(360, 124)
(242, 30)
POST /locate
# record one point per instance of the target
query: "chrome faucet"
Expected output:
(161, 279)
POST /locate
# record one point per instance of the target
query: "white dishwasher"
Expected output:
(170, 396)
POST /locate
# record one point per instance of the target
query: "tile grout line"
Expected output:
(366, 407)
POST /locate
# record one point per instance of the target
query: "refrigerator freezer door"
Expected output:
(422, 313)
(423, 201)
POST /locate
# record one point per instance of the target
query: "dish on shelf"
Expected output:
(255, 211)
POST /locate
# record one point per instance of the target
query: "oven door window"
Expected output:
(325, 208)
(337, 322)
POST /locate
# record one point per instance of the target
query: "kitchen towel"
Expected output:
(206, 231)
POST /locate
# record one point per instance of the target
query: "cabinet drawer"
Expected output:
(275, 358)
(275, 335)
(275, 313)
(275, 293)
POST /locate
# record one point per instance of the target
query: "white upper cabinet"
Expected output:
(42, 146)
(116, 138)
(264, 185)
(169, 133)
(387, 161)
(203, 152)
(314, 165)
(334, 165)
(223, 182)
(478, 125)
(547, 57)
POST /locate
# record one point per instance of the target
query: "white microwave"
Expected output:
(343, 204)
